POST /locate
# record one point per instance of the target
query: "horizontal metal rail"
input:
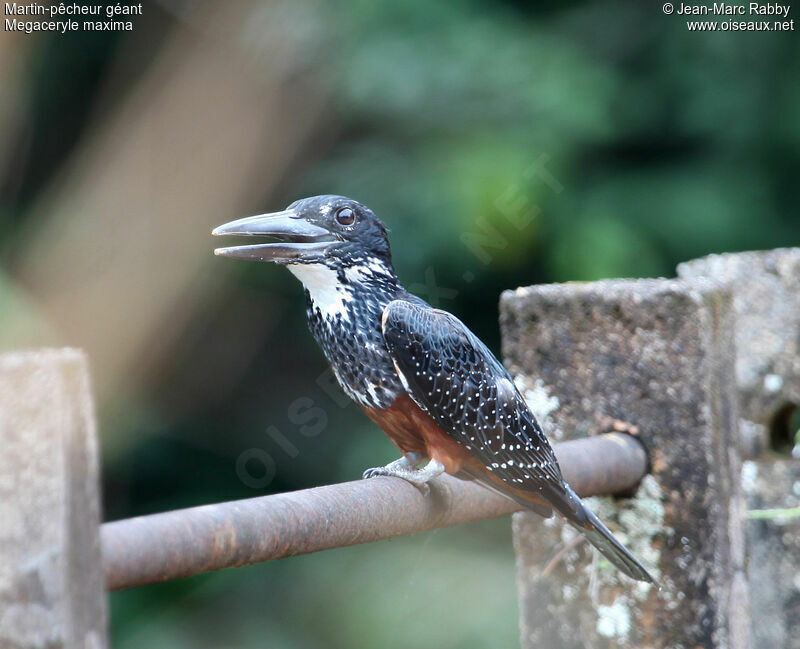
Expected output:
(150, 549)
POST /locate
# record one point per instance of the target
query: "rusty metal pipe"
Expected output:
(150, 549)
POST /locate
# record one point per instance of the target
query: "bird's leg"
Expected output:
(405, 468)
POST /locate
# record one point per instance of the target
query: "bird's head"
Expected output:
(334, 231)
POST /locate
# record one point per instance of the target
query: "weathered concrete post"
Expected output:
(766, 298)
(660, 355)
(51, 579)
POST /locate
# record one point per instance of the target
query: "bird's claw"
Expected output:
(423, 487)
(374, 471)
(404, 469)
(408, 475)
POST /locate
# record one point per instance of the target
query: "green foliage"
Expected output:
(668, 145)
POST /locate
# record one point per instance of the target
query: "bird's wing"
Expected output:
(455, 379)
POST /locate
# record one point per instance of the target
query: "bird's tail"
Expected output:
(571, 507)
(585, 521)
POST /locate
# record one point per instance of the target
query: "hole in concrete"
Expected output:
(784, 431)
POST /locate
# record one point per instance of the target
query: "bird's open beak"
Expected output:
(298, 239)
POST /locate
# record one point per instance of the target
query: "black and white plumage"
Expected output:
(453, 377)
(435, 389)
(347, 327)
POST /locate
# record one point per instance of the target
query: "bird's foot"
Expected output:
(407, 463)
(406, 469)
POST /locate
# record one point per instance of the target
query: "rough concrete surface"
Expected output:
(774, 553)
(51, 581)
(766, 298)
(660, 355)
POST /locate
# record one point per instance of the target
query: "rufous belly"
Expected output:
(413, 431)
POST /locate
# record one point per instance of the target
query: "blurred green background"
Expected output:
(505, 143)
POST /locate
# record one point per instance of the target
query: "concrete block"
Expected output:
(51, 581)
(773, 545)
(660, 355)
(766, 298)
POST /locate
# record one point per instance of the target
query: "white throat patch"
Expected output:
(327, 293)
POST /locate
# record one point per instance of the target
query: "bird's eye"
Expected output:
(345, 216)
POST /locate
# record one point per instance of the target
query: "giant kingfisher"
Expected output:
(418, 372)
